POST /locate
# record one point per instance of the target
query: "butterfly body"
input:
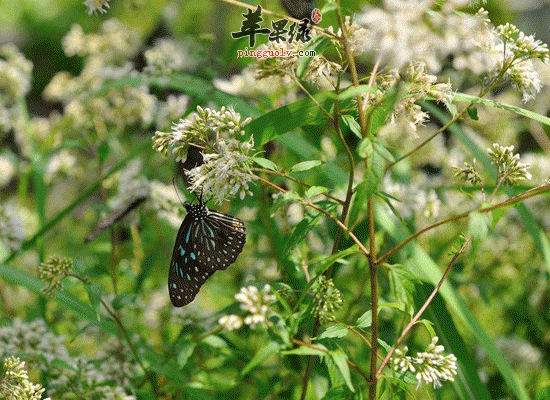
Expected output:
(207, 241)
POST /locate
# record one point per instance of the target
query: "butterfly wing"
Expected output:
(186, 274)
(204, 244)
(223, 240)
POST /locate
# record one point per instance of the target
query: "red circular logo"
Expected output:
(316, 16)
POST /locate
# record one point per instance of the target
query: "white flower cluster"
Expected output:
(319, 71)
(12, 229)
(224, 174)
(429, 366)
(15, 383)
(414, 198)
(87, 381)
(168, 56)
(15, 83)
(227, 167)
(410, 30)
(246, 84)
(106, 58)
(34, 342)
(253, 301)
(419, 85)
(508, 164)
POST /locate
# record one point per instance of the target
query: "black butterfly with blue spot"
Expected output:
(207, 241)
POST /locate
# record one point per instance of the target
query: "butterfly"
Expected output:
(207, 241)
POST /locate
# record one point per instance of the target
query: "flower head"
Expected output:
(508, 164)
(53, 271)
(254, 302)
(319, 70)
(94, 6)
(227, 167)
(168, 56)
(15, 83)
(429, 366)
(328, 300)
(15, 383)
(469, 173)
(12, 227)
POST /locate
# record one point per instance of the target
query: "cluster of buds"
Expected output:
(53, 271)
(327, 300)
(429, 366)
(15, 383)
(468, 173)
(510, 169)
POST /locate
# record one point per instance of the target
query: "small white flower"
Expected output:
(254, 302)
(231, 322)
(94, 6)
(429, 366)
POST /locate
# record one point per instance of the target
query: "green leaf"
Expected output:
(353, 91)
(185, 353)
(215, 341)
(543, 393)
(496, 216)
(478, 225)
(334, 331)
(103, 151)
(381, 149)
(300, 232)
(289, 117)
(60, 364)
(492, 103)
(338, 393)
(376, 164)
(397, 389)
(362, 193)
(265, 163)
(315, 191)
(94, 295)
(352, 124)
(472, 112)
(386, 346)
(305, 165)
(365, 320)
(340, 359)
(399, 306)
(402, 283)
(122, 300)
(378, 114)
(261, 356)
(305, 351)
(428, 325)
(478, 229)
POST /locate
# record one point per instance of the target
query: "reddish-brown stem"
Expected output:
(417, 316)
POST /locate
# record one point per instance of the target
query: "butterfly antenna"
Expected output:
(176, 189)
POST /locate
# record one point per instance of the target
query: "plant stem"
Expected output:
(373, 270)
(424, 306)
(329, 215)
(512, 200)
